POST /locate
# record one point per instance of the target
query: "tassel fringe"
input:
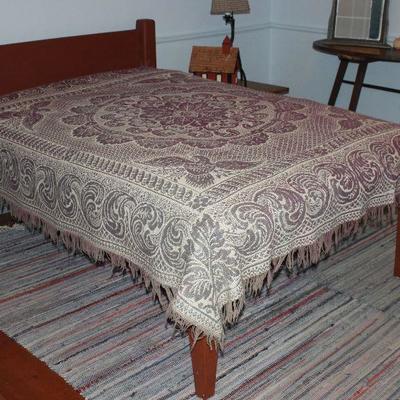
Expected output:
(296, 261)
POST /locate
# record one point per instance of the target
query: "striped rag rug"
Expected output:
(332, 332)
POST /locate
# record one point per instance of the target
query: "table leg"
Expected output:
(362, 70)
(338, 81)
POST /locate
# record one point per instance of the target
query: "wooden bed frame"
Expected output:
(29, 64)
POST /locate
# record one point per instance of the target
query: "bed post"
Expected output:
(6, 219)
(147, 30)
(397, 257)
(204, 363)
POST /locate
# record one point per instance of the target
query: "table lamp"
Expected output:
(228, 8)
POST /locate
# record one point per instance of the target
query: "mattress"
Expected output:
(201, 188)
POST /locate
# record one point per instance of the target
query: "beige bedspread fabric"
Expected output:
(204, 187)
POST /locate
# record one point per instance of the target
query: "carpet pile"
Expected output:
(332, 332)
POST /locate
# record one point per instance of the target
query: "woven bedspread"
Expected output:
(204, 188)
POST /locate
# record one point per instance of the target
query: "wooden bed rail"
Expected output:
(6, 219)
(29, 64)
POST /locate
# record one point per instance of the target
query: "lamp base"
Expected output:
(230, 19)
(242, 73)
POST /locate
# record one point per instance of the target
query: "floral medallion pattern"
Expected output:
(202, 120)
(203, 187)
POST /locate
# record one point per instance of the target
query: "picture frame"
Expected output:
(359, 22)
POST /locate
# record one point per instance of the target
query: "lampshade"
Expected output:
(230, 6)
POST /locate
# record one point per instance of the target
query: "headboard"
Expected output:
(29, 64)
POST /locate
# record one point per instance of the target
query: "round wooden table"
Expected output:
(360, 55)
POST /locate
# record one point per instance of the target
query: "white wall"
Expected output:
(275, 39)
(180, 24)
(294, 25)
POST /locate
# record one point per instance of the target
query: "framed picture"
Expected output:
(359, 22)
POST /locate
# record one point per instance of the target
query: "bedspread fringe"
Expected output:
(296, 261)
(302, 257)
(76, 244)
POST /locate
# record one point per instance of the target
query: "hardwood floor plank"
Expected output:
(23, 376)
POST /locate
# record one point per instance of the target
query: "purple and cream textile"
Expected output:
(203, 187)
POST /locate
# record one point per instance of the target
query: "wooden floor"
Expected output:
(24, 377)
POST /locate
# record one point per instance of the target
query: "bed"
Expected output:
(203, 190)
